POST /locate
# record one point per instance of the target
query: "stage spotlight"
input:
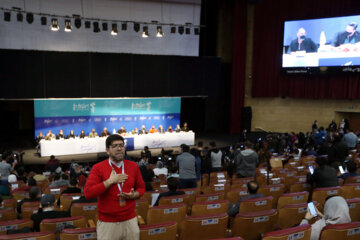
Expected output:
(160, 32)
(136, 27)
(43, 20)
(197, 31)
(181, 30)
(30, 18)
(124, 26)
(68, 27)
(77, 22)
(173, 29)
(104, 26)
(114, 30)
(187, 30)
(7, 16)
(19, 17)
(96, 27)
(54, 25)
(87, 24)
(145, 32)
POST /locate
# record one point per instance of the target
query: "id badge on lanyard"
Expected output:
(122, 201)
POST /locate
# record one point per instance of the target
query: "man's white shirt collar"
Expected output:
(117, 164)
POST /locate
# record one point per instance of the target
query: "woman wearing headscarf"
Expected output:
(336, 211)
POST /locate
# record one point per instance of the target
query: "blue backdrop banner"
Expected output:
(85, 114)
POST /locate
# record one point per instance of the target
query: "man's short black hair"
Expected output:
(64, 176)
(185, 148)
(172, 184)
(252, 187)
(353, 24)
(249, 144)
(322, 160)
(351, 166)
(73, 182)
(57, 176)
(31, 181)
(111, 138)
(34, 192)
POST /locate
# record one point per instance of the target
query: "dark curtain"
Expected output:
(268, 81)
(238, 64)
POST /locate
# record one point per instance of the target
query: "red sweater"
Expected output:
(109, 209)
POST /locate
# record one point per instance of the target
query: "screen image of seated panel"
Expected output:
(324, 42)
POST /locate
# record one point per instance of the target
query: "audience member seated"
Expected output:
(72, 187)
(71, 135)
(160, 169)
(20, 174)
(177, 129)
(324, 175)
(252, 189)
(60, 135)
(146, 153)
(47, 211)
(216, 158)
(105, 132)
(351, 167)
(31, 182)
(78, 173)
(93, 134)
(246, 161)
(161, 129)
(82, 134)
(50, 135)
(172, 184)
(34, 196)
(52, 164)
(153, 129)
(60, 180)
(170, 130)
(336, 211)
(143, 130)
(82, 199)
(122, 130)
(4, 188)
(185, 127)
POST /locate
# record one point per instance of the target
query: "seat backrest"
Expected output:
(7, 214)
(55, 223)
(193, 193)
(210, 197)
(219, 175)
(174, 200)
(15, 224)
(302, 232)
(291, 214)
(161, 214)
(30, 204)
(31, 235)
(56, 191)
(88, 210)
(354, 209)
(292, 198)
(67, 198)
(320, 194)
(234, 194)
(10, 203)
(213, 207)
(142, 207)
(162, 231)
(20, 195)
(204, 227)
(300, 187)
(26, 212)
(276, 162)
(352, 180)
(251, 225)
(351, 190)
(79, 233)
(256, 204)
(348, 231)
(148, 195)
(272, 190)
(215, 188)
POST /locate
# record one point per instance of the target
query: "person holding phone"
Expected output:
(336, 211)
(324, 175)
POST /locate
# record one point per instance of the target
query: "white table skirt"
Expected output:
(97, 145)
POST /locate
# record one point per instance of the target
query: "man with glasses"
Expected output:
(116, 183)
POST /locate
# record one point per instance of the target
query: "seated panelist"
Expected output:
(302, 43)
(153, 129)
(143, 130)
(60, 134)
(161, 129)
(105, 133)
(82, 134)
(50, 135)
(122, 130)
(349, 36)
(71, 134)
(93, 133)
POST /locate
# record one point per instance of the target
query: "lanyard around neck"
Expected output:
(122, 166)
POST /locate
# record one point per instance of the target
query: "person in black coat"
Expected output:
(349, 36)
(302, 43)
(324, 175)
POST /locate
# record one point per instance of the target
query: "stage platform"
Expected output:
(31, 156)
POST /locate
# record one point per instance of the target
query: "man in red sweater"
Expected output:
(116, 183)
